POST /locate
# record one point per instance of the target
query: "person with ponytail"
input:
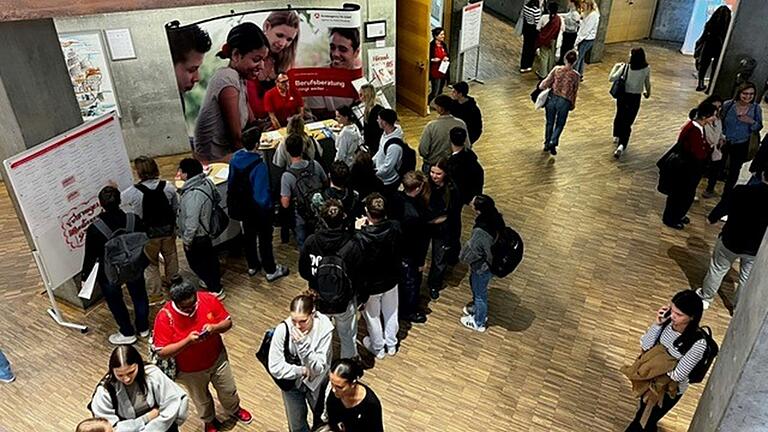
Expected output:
(133, 397)
(676, 328)
(352, 406)
(224, 112)
(476, 253)
(307, 360)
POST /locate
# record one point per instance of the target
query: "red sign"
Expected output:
(325, 81)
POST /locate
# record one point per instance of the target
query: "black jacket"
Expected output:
(94, 240)
(466, 172)
(470, 113)
(412, 213)
(364, 181)
(376, 257)
(444, 201)
(322, 243)
(349, 198)
(372, 132)
(747, 219)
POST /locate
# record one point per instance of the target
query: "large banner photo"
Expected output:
(254, 70)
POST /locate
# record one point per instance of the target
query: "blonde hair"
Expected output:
(94, 425)
(295, 125)
(587, 6)
(368, 96)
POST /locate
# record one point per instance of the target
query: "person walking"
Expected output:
(742, 117)
(477, 254)
(563, 83)
(710, 45)
(694, 151)
(438, 53)
(135, 397)
(740, 238)
(110, 221)
(435, 142)
(351, 405)
(198, 196)
(189, 328)
(465, 108)
(444, 225)
(349, 140)
(675, 330)
(636, 74)
(530, 15)
(306, 361)
(585, 38)
(546, 42)
(571, 21)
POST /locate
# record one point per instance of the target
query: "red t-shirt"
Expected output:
(197, 356)
(283, 106)
(434, 67)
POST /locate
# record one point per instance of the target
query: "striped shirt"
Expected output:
(685, 363)
(531, 14)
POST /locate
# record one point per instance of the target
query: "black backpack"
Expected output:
(263, 356)
(408, 158)
(308, 184)
(702, 367)
(334, 285)
(124, 259)
(158, 214)
(507, 252)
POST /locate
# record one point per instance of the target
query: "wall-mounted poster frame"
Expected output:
(89, 69)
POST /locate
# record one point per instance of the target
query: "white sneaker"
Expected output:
(280, 271)
(119, 339)
(392, 350)
(618, 152)
(203, 285)
(706, 303)
(724, 218)
(428, 110)
(368, 345)
(8, 380)
(469, 322)
(252, 272)
(221, 295)
(144, 334)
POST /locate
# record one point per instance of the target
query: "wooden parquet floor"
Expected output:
(599, 263)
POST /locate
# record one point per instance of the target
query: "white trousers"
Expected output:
(382, 306)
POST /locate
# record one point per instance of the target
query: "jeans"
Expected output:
(529, 45)
(296, 401)
(303, 230)
(556, 108)
(479, 281)
(165, 246)
(5, 368)
(627, 107)
(113, 294)
(439, 264)
(409, 288)
(378, 306)
(656, 414)
(257, 229)
(220, 376)
(204, 261)
(584, 47)
(737, 156)
(436, 88)
(346, 326)
(722, 260)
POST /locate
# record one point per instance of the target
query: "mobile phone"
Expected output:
(667, 313)
(204, 333)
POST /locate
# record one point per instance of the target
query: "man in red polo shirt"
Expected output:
(282, 102)
(189, 328)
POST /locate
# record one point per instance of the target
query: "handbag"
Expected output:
(670, 166)
(619, 87)
(754, 145)
(263, 356)
(541, 100)
(536, 92)
(167, 365)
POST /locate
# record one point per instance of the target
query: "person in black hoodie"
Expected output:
(444, 224)
(464, 168)
(331, 237)
(114, 218)
(413, 212)
(376, 255)
(465, 108)
(339, 189)
(362, 176)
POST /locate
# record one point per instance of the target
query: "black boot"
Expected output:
(701, 86)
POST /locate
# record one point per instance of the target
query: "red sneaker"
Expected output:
(243, 416)
(212, 427)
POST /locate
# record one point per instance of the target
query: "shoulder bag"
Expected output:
(619, 87)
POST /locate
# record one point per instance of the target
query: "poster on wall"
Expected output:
(381, 66)
(318, 50)
(86, 62)
(702, 11)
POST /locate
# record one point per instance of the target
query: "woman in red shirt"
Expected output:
(694, 151)
(438, 53)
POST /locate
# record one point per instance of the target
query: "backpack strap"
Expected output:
(103, 228)
(296, 172)
(286, 350)
(141, 187)
(130, 222)
(663, 327)
(393, 140)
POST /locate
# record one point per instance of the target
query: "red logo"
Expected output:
(77, 220)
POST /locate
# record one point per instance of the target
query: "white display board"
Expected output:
(56, 186)
(471, 20)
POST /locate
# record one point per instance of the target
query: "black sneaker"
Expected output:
(434, 294)
(417, 318)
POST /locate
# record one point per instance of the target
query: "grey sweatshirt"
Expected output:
(636, 79)
(195, 208)
(388, 162)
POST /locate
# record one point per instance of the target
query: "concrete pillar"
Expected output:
(748, 37)
(37, 101)
(734, 397)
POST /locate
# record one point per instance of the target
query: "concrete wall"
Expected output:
(748, 37)
(733, 399)
(671, 21)
(152, 119)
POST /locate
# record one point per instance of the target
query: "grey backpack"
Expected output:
(124, 258)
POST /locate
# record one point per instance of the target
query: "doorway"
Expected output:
(630, 20)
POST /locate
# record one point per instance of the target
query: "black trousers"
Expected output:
(204, 261)
(257, 230)
(680, 198)
(737, 155)
(656, 414)
(529, 45)
(569, 40)
(627, 107)
(709, 57)
(409, 288)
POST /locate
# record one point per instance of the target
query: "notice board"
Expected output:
(56, 185)
(471, 23)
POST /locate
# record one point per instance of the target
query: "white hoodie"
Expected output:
(388, 162)
(314, 350)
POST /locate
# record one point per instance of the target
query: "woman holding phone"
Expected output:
(676, 327)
